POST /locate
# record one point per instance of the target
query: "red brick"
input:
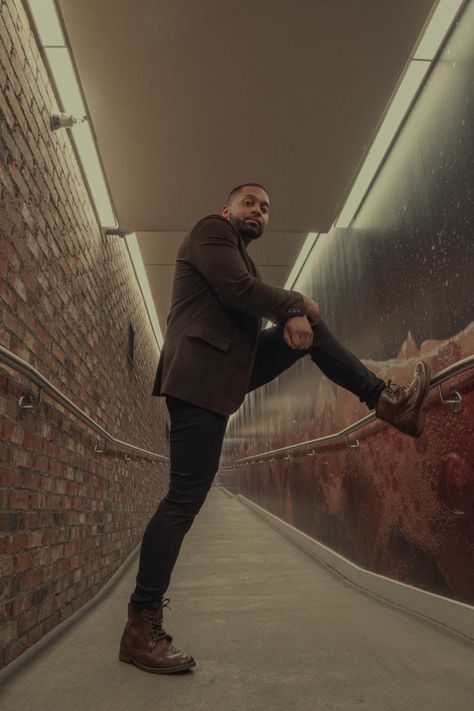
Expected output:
(9, 185)
(27, 620)
(38, 632)
(18, 500)
(19, 604)
(13, 543)
(24, 561)
(16, 108)
(18, 179)
(6, 566)
(31, 578)
(14, 215)
(32, 442)
(8, 633)
(5, 37)
(9, 17)
(15, 649)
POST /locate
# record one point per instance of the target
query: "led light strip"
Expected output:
(305, 250)
(429, 43)
(140, 271)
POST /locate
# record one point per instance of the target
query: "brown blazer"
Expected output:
(217, 305)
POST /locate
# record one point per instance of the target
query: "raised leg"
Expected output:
(341, 366)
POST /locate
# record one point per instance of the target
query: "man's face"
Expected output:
(248, 212)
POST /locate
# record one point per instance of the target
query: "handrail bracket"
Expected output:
(26, 403)
(455, 401)
(355, 444)
(101, 451)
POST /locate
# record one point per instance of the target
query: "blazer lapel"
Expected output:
(248, 260)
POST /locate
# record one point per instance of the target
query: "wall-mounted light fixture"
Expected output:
(65, 121)
(115, 231)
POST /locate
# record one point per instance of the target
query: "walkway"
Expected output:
(270, 628)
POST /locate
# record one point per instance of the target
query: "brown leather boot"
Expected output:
(147, 645)
(402, 405)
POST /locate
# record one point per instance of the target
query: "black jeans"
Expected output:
(196, 437)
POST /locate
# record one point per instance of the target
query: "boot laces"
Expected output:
(395, 389)
(155, 620)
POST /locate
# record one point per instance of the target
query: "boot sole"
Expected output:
(152, 670)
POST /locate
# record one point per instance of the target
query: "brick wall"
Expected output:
(68, 516)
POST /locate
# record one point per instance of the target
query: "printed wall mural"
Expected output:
(396, 286)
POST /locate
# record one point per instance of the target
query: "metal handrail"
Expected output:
(13, 361)
(454, 402)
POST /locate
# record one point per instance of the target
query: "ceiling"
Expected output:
(188, 98)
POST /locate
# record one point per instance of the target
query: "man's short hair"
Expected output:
(238, 188)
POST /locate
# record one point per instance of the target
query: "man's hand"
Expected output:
(298, 333)
(312, 310)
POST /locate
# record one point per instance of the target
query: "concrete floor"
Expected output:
(270, 628)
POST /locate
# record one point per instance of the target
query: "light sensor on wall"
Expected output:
(65, 121)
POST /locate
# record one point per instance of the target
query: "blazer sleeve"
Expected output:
(214, 252)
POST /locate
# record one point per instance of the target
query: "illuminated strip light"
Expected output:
(428, 46)
(57, 54)
(439, 25)
(401, 103)
(301, 259)
(140, 271)
(47, 23)
(303, 255)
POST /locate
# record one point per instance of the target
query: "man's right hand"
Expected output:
(298, 333)
(312, 310)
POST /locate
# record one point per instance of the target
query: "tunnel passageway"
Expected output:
(270, 628)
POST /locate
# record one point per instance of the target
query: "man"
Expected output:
(214, 353)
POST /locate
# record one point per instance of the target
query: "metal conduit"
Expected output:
(454, 402)
(13, 361)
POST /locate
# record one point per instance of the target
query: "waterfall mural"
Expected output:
(394, 287)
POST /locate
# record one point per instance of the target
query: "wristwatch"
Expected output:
(296, 311)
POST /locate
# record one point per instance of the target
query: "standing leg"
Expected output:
(196, 437)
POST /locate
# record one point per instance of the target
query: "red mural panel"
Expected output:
(398, 506)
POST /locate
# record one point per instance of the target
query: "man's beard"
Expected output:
(247, 230)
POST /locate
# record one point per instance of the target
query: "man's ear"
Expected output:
(225, 211)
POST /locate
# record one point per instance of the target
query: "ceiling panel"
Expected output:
(188, 98)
